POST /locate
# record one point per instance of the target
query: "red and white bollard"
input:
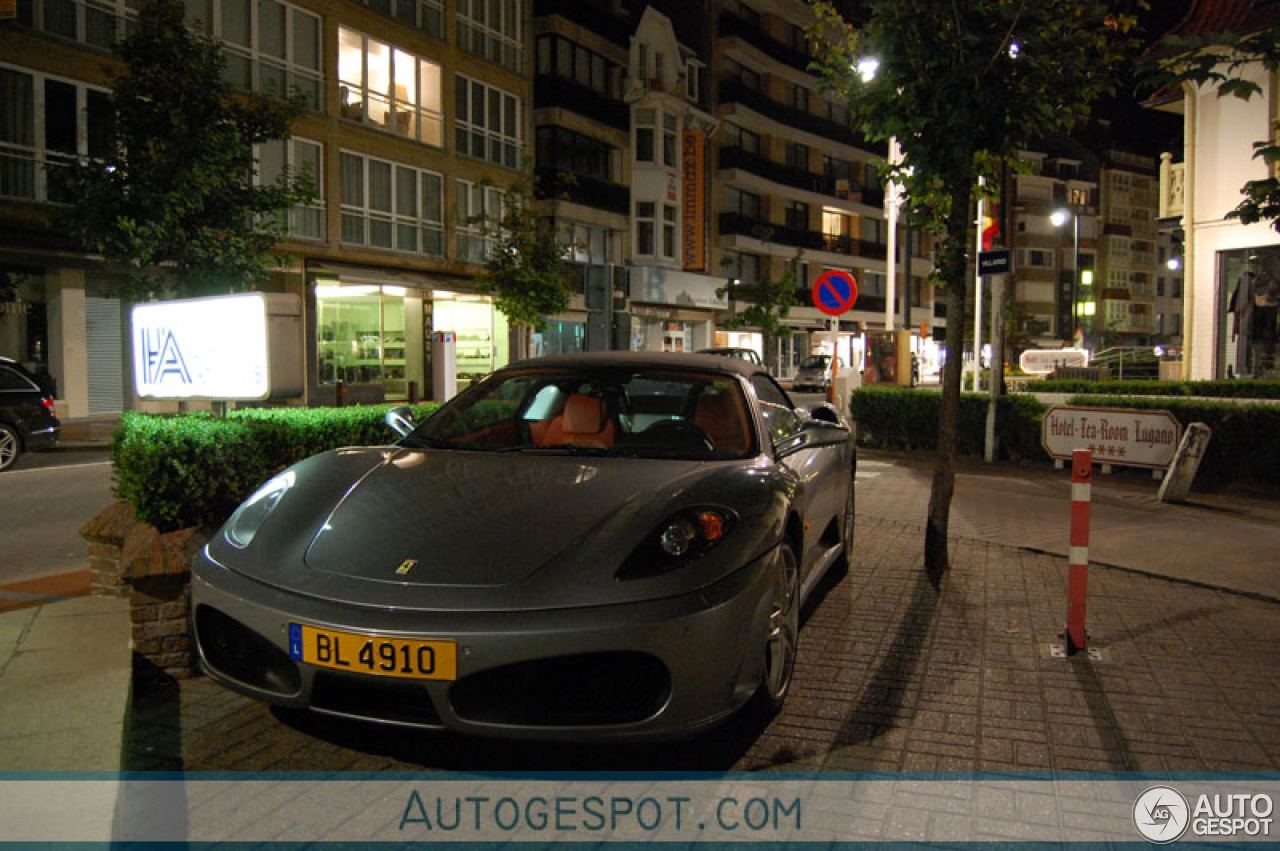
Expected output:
(1078, 559)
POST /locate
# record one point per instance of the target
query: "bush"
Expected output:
(194, 469)
(1234, 389)
(908, 419)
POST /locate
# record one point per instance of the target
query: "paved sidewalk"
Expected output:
(64, 684)
(892, 673)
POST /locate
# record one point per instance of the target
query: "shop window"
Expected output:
(387, 88)
(365, 336)
(481, 334)
(560, 338)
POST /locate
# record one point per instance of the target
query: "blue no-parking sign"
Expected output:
(834, 292)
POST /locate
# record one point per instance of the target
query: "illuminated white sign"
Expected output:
(1124, 436)
(238, 347)
(1045, 361)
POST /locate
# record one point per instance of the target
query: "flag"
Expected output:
(990, 226)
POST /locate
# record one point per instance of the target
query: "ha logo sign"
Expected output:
(239, 347)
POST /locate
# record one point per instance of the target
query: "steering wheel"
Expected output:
(681, 432)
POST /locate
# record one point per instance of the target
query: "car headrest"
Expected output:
(583, 415)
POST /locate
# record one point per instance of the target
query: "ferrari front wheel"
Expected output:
(783, 629)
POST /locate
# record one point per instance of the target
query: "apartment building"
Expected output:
(791, 176)
(419, 114)
(1127, 272)
(1054, 237)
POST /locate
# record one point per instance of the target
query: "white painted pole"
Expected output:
(891, 214)
(977, 295)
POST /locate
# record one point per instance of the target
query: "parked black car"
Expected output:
(27, 418)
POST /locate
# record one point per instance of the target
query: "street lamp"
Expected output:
(1059, 218)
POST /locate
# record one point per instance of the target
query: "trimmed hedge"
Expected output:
(186, 470)
(908, 419)
(1234, 389)
(1244, 449)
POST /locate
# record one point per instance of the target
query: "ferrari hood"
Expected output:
(474, 518)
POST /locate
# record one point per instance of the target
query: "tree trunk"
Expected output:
(953, 272)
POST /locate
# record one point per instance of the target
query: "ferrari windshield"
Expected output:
(659, 413)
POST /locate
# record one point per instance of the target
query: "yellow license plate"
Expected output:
(412, 658)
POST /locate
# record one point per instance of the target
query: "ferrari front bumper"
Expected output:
(655, 669)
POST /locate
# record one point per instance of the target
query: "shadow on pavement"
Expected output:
(153, 725)
(886, 699)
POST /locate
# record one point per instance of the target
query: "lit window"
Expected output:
(388, 88)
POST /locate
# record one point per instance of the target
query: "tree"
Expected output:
(173, 201)
(768, 300)
(1220, 61)
(962, 85)
(527, 267)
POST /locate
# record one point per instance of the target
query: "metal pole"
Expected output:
(1075, 276)
(977, 295)
(997, 366)
(891, 213)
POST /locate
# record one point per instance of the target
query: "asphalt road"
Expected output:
(44, 501)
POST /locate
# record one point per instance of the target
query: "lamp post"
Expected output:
(1059, 218)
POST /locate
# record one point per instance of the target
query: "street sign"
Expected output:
(834, 292)
(994, 262)
(1125, 436)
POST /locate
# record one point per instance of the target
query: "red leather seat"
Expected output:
(720, 415)
(585, 421)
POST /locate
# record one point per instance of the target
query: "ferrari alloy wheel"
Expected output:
(784, 627)
(10, 446)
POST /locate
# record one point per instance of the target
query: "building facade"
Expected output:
(419, 115)
(1054, 239)
(1231, 296)
(792, 179)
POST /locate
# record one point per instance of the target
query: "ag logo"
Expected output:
(1161, 814)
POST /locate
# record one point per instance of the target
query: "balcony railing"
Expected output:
(556, 183)
(733, 157)
(732, 25)
(734, 91)
(736, 224)
(552, 91)
(591, 15)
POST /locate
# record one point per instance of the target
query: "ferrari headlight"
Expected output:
(249, 517)
(680, 539)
